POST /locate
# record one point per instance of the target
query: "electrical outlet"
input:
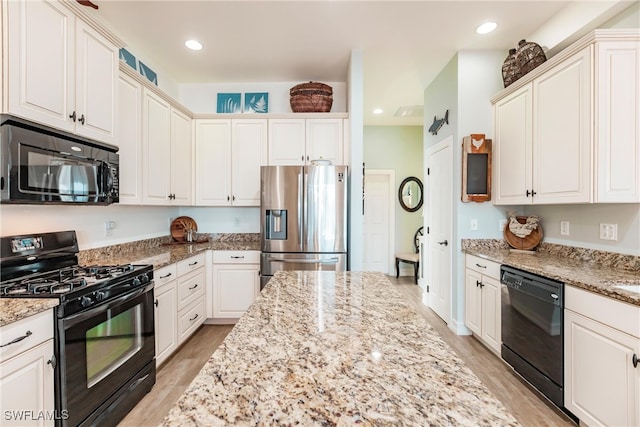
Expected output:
(108, 228)
(609, 231)
(474, 224)
(564, 228)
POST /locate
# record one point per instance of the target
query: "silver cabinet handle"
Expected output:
(165, 276)
(26, 335)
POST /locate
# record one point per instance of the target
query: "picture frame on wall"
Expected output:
(229, 103)
(128, 57)
(148, 73)
(256, 102)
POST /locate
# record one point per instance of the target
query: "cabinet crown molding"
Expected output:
(627, 34)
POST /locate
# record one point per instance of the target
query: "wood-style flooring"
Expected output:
(524, 402)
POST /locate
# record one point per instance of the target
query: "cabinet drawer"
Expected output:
(190, 287)
(191, 264)
(190, 318)
(236, 257)
(617, 314)
(483, 266)
(164, 275)
(40, 327)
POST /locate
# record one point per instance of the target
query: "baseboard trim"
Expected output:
(459, 327)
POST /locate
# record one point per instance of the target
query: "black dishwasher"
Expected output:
(532, 330)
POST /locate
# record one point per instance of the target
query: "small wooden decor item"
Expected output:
(476, 168)
(181, 226)
(312, 97)
(523, 225)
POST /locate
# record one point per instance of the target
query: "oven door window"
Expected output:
(113, 342)
(49, 173)
(100, 349)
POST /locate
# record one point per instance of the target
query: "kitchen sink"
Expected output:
(630, 288)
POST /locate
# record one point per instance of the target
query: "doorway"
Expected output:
(378, 221)
(439, 162)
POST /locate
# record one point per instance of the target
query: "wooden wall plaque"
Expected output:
(476, 168)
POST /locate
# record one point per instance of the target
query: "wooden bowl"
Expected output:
(527, 243)
(179, 227)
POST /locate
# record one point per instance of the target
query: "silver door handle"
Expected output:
(26, 335)
(306, 261)
(444, 242)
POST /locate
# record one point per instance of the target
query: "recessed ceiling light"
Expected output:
(378, 111)
(193, 44)
(487, 27)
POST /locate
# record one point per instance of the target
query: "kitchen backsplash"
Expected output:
(608, 259)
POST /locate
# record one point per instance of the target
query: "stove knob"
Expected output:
(135, 281)
(100, 296)
(144, 278)
(85, 301)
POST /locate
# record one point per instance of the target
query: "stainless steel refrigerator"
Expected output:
(303, 219)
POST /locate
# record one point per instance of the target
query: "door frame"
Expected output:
(391, 174)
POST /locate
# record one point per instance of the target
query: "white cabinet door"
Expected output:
(473, 302)
(213, 162)
(324, 140)
(41, 68)
(562, 136)
(491, 313)
(129, 140)
(512, 149)
(235, 288)
(287, 142)
(96, 85)
(26, 382)
(602, 386)
(166, 321)
(617, 100)
(156, 140)
(248, 153)
(181, 177)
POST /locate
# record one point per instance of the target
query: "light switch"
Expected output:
(474, 224)
(564, 228)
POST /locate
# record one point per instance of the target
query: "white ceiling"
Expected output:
(405, 44)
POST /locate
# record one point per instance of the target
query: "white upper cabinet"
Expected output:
(62, 72)
(617, 122)
(128, 134)
(569, 131)
(300, 141)
(181, 161)
(229, 153)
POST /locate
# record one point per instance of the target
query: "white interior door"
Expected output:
(379, 221)
(439, 211)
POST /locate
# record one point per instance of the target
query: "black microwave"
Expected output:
(44, 165)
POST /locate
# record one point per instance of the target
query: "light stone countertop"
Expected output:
(14, 309)
(324, 348)
(591, 276)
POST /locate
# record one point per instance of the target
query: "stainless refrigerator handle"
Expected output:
(305, 261)
(300, 207)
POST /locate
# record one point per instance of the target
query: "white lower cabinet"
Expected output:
(482, 300)
(180, 301)
(601, 349)
(26, 372)
(236, 282)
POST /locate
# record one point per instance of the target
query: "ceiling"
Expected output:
(404, 44)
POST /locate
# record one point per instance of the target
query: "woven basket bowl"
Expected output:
(311, 97)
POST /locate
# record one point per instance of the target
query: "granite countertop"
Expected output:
(159, 254)
(325, 348)
(599, 278)
(14, 309)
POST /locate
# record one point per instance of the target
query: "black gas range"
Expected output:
(104, 324)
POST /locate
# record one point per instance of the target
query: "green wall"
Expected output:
(398, 148)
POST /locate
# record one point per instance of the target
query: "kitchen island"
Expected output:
(323, 348)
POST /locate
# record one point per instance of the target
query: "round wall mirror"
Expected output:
(410, 194)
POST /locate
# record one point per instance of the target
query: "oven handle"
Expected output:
(83, 315)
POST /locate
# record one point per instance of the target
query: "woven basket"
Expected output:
(510, 70)
(528, 56)
(311, 97)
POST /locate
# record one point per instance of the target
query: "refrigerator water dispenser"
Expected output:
(276, 224)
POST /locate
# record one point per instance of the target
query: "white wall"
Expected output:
(132, 222)
(224, 219)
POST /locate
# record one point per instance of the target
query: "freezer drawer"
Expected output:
(270, 263)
